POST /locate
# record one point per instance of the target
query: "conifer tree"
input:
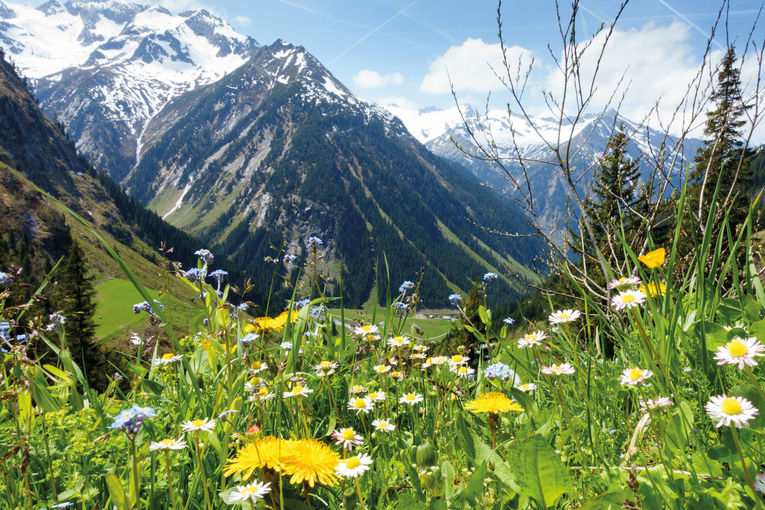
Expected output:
(723, 155)
(75, 297)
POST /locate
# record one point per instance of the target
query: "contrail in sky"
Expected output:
(378, 27)
(691, 23)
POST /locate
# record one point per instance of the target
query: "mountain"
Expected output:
(440, 129)
(105, 68)
(267, 152)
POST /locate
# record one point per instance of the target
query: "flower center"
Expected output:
(348, 434)
(359, 403)
(457, 358)
(167, 442)
(731, 406)
(629, 298)
(366, 328)
(564, 316)
(462, 370)
(249, 490)
(383, 424)
(635, 374)
(167, 355)
(352, 463)
(410, 397)
(198, 423)
(297, 389)
(737, 349)
(372, 396)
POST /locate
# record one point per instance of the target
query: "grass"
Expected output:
(432, 328)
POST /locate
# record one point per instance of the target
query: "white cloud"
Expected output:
(241, 20)
(469, 67)
(367, 79)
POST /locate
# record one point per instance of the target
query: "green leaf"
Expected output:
(608, 501)
(448, 471)
(116, 491)
(714, 333)
(538, 470)
(483, 315)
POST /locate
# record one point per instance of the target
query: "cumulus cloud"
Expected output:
(367, 79)
(241, 20)
(469, 67)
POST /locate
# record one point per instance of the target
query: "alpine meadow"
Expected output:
(262, 276)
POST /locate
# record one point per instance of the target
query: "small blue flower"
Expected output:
(21, 338)
(249, 338)
(243, 307)
(300, 304)
(204, 255)
(218, 274)
(406, 286)
(455, 299)
(287, 346)
(142, 307)
(316, 312)
(195, 274)
(313, 242)
(611, 431)
(490, 277)
(289, 258)
(509, 321)
(499, 370)
(5, 279)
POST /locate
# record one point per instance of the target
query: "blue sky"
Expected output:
(397, 49)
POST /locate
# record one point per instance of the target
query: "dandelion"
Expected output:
(252, 492)
(654, 258)
(353, 467)
(347, 438)
(297, 390)
(634, 376)
(269, 452)
(740, 351)
(206, 425)
(168, 444)
(411, 399)
(562, 369)
(731, 410)
(312, 461)
(653, 290)
(623, 281)
(532, 339)
(383, 425)
(361, 405)
(563, 316)
(376, 396)
(272, 324)
(628, 299)
(656, 403)
(493, 403)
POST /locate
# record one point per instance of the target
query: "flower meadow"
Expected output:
(651, 399)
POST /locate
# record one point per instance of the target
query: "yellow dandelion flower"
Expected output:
(271, 324)
(653, 290)
(493, 403)
(654, 258)
(312, 461)
(269, 452)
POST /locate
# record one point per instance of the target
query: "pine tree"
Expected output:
(74, 296)
(722, 156)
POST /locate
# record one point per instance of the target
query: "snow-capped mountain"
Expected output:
(514, 136)
(104, 68)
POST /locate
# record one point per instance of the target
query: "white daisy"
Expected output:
(562, 369)
(526, 387)
(634, 376)
(532, 339)
(168, 444)
(357, 388)
(297, 390)
(458, 359)
(381, 369)
(166, 359)
(206, 425)
(326, 368)
(347, 438)
(562, 316)
(361, 405)
(383, 425)
(366, 330)
(462, 370)
(628, 299)
(411, 399)
(264, 394)
(731, 410)
(376, 396)
(398, 341)
(624, 280)
(396, 375)
(353, 467)
(740, 351)
(258, 366)
(656, 403)
(439, 360)
(252, 492)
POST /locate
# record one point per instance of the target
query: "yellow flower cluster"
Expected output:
(493, 403)
(271, 324)
(305, 460)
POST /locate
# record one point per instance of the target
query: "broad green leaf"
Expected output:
(538, 470)
(608, 501)
(448, 471)
(116, 491)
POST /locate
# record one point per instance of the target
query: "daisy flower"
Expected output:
(623, 281)
(264, 394)
(381, 369)
(361, 405)
(357, 388)
(326, 368)
(562, 369)
(439, 360)
(376, 396)
(383, 425)
(458, 359)
(411, 399)
(168, 444)
(740, 351)
(526, 387)
(353, 467)
(366, 330)
(194, 425)
(562, 316)
(398, 341)
(532, 339)
(258, 366)
(462, 371)
(167, 358)
(396, 375)
(252, 383)
(347, 438)
(634, 376)
(297, 390)
(628, 299)
(656, 403)
(252, 492)
(731, 410)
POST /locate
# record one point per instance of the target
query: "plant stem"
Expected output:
(358, 491)
(734, 432)
(170, 479)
